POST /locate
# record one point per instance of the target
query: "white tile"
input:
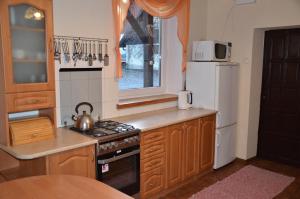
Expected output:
(97, 110)
(64, 76)
(80, 91)
(79, 75)
(65, 93)
(95, 75)
(66, 116)
(95, 89)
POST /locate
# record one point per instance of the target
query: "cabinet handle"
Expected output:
(33, 101)
(93, 156)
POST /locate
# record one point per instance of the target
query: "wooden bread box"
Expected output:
(30, 130)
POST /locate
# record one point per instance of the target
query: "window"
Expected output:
(140, 47)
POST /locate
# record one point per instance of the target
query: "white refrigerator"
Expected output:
(215, 86)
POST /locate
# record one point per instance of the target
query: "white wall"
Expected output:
(198, 20)
(244, 25)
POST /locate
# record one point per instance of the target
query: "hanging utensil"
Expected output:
(82, 51)
(90, 57)
(94, 51)
(79, 51)
(66, 51)
(56, 50)
(106, 57)
(100, 57)
(75, 52)
(59, 51)
(86, 58)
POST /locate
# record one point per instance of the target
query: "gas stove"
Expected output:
(112, 135)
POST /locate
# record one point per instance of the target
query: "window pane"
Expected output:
(140, 47)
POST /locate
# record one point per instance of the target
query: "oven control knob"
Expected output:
(126, 140)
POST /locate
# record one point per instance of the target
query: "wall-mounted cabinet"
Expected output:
(26, 34)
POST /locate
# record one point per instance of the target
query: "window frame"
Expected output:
(149, 91)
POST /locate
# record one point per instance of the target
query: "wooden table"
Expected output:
(58, 187)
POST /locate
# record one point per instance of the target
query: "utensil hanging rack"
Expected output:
(73, 38)
(71, 49)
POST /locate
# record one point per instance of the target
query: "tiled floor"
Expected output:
(291, 192)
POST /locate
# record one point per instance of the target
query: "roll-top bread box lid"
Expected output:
(30, 130)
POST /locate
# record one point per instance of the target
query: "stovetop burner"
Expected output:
(108, 127)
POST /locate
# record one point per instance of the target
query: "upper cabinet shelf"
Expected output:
(25, 28)
(33, 61)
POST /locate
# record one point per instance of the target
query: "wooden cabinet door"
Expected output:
(152, 182)
(174, 155)
(27, 45)
(191, 149)
(207, 140)
(79, 162)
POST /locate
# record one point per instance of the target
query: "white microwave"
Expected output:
(211, 51)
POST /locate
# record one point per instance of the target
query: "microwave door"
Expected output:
(220, 51)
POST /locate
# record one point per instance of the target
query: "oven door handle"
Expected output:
(115, 158)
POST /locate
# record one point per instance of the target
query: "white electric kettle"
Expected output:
(185, 99)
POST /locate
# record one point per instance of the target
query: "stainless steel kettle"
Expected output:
(83, 122)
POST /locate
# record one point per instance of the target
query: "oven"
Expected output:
(121, 169)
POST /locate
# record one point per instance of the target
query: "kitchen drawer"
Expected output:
(152, 182)
(152, 163)
(30, 101)
(153, 136)
(150, 150)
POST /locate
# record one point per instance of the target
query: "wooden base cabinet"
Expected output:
(190, 149)
(207, 142)
(80, 162)
(172, 155)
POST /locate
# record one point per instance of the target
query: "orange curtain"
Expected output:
(159, 8)
(120, 8)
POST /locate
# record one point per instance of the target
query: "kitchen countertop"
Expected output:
(65, 140)
(161, 118)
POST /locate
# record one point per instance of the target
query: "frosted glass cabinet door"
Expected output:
(26, 44)
(28, 37)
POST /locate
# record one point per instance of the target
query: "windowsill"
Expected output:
(142, 101)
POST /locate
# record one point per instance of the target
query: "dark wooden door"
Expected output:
(279, 129)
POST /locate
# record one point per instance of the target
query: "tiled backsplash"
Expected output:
(76, 87)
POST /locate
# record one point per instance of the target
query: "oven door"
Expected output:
(121, 170)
